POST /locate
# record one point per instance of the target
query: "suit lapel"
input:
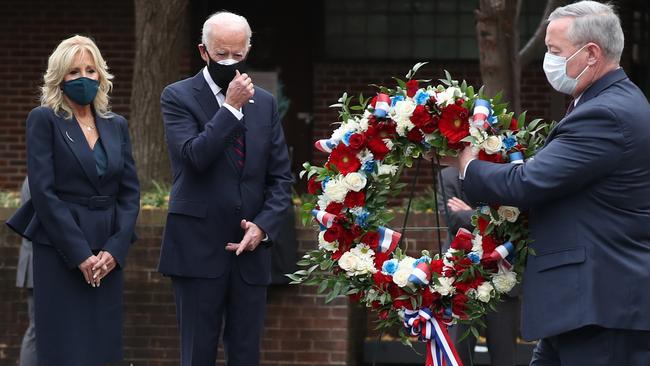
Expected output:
(111, 141)
(76, 140)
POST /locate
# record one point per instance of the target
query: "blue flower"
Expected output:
(423, 258)
(396, 99)
(492, 120)
(325, 181)
(390, 266)
(474, 257)
(369, 166)
(361, 218)
(421, 97)
(509, 142)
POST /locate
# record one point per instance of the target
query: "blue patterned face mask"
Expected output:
(81, 90)
(555, 70)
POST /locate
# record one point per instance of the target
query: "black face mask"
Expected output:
(222, 75)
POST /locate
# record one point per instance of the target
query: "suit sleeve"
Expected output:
(584, 149)
(197, 149)
(54, 215)
(278, 182)
(127, 203)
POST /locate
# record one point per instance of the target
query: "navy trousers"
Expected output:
(206, 305)
(594, 346)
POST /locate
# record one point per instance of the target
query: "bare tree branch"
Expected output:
(535, 44)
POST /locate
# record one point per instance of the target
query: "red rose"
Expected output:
(344, 159)
(345, 239)
(333, 233)
(381, 280)
(482, 224)
(428, 297)
(314, 187)
(357, 141)
(431, 125)
(495, 158)
(514, 125)
(454, 124)
(378, 148)
(356, 297)
(396, 292)
(436, 266)
(371, 239)
(338, 254)
(420, 116)
(458, 305)
(381, 130)
(356, 230)
(462, 241)
(412, 87)
(488, 244)
(355, 199)
(383, 315)
(415, 135)
(334, 208)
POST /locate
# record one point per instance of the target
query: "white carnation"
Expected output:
(363, 124)
(387, 169)
(335, 190)
(492, 144)
(446, 286)
(364, 156)
(477, 245)
(404, 126)
(355, 181)
(504, 281)
(508, 213)
(448, 96)
(389, 143)
(484, 292)
(407, 263)
(478, 134)
(401, 276)
(326, 245)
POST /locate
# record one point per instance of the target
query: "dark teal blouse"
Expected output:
(101, 160)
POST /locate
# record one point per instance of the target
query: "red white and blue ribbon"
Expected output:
(501, 254)
(440, 348)
(324, 218)
(421, 274)
(482, 112)
(388, 239)
(382, 105)
(325, 145)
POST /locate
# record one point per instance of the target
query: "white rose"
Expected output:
(402, 110)
(401, 276)
(335, 190)
(484, 292)
(326, 245)
(407, 263)
(446, 286)
(492, 144)
(387, 169)
(348, 262)
(508, 213)
(355, 181)
(504, 281)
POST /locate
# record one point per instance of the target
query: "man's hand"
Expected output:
(455, 204)
(240, 90)
(86, 269)
(466, 155)
(253, 235)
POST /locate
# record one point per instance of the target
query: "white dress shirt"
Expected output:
(216, 90)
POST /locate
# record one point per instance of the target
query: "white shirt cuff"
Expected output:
(266, 237)
(461, 174)
(236, 112)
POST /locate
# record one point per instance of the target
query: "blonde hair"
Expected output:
(58, 66)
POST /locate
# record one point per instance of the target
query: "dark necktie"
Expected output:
(572, 105)
(240, 151)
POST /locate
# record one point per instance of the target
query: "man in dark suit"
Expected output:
(231, 185)
(503, 324)
(588, 195)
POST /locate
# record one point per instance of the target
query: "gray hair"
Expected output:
(594, 22)
(223, 18)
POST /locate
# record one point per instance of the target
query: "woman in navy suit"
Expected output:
(84, 205)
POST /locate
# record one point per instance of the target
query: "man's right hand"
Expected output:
(240, 90)
(455, 204)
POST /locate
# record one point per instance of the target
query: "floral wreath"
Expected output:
(358, 255)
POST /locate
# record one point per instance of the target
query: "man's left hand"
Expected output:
(253, 235)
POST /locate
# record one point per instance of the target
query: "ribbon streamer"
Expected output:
(440, 348)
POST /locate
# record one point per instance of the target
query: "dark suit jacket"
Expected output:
(60, 163)
(209, 195)
(447, 188)
(588, 191)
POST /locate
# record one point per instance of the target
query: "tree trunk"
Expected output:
(497, 33)
(158, 32)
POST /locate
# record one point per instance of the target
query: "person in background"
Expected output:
(85, 199)
(503, 324)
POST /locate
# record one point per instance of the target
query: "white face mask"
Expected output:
(555, 70)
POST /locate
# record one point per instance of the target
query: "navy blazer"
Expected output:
(588, 191)
(210, 196)
(62, 174)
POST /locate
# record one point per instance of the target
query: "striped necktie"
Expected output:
(240, 151)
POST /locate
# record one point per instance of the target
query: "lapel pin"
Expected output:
(251, 101)
(68, 136)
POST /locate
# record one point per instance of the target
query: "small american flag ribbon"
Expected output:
(440, 348)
